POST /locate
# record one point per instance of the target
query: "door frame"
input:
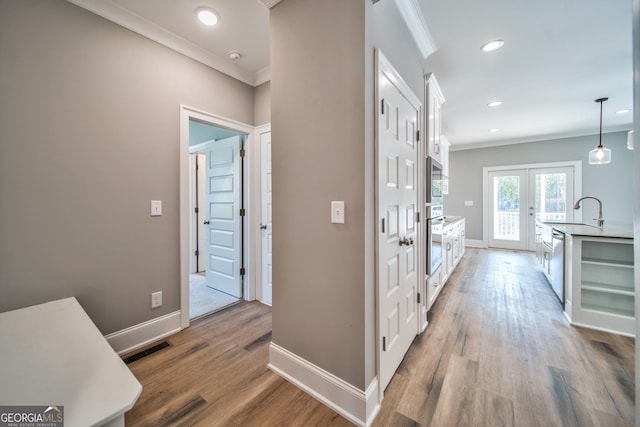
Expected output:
(577, 182)
(187, 113)
(257, 250)
(383, 65)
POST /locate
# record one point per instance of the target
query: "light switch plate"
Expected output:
(156, 207)
(337, 212)
(468, 202)
(156, 299)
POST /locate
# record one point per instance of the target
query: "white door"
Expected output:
(397, 204)
(551, 197)
(266, 229)
(519, 197)
(224, 223)
(507, 209)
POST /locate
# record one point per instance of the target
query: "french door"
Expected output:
(519, 197)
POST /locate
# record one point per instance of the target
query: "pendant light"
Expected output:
(600, 155)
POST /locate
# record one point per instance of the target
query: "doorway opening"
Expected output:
(212, 213)
(516, 197)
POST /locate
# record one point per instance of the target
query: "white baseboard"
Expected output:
(475, 243)
(359, 407)
(145, 333)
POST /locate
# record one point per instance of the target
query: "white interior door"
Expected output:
(266, 228)
(224, 223)
(397, 204)
(201, 161)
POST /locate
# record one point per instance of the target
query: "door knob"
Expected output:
(206, 221)
(404, 241)
(263, 226)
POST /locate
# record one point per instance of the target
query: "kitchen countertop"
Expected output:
(450, 219)
(586, 230)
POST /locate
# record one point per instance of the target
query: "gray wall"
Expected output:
(262, 104)
(323, 150)
(612, 183)
(89, 134)
(317, 123)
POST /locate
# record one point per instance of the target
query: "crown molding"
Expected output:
(414, 19)
(262, 76)
(269, 3)
(131, 21)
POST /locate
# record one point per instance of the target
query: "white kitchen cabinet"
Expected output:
(602, 294)
(452, 245)
(434, 100)
(433, 287)
(444, 149)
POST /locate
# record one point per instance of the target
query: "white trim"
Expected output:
(263, 75)
(254, 228)
(471, 243)
(186, 113)
(385, 67)
(539, 138)
(417, 26)
(577, 183)
(432, 83)
(597, 328)
(116, 13)
(144, 333)
(269, 3)
(359, 407)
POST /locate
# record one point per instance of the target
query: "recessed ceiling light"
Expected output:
(492, 45)
(494, 130)
(494, 104)
(207, 16)
(625, 111)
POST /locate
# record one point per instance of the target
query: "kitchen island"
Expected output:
(599, 276)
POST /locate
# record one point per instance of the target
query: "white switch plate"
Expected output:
(468, 202)
(156, 207)
(337, 212)
(156, 299)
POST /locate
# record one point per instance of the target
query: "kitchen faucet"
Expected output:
(600, 218)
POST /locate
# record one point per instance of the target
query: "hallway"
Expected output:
(498, 351)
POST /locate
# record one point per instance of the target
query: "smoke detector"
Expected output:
(234, 56)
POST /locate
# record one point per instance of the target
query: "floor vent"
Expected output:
(147, 352)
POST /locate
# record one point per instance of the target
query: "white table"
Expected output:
(53, 354)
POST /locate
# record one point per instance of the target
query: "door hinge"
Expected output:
(242, 152)
(242, 212)
(417, 216)
(417, 135)
(242, 271)
(196, 210)
(383, 225)
(418, 297)
(384, 343)
(382, 107)
(197, 252)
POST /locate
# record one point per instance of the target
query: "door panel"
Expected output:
(266, 233)
(397, 174)
(223, 189)
(519, 197)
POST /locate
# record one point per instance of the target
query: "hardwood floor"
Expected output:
(498, 352)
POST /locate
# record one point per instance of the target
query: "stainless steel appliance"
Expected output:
(435, 221)
(434, 183)
(557, 265)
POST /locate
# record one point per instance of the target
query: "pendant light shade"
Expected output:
(600, 155)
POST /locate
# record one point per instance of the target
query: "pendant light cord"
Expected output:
(601, 100)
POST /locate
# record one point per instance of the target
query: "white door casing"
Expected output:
(224, 228)
(266, 228)
(397, 173)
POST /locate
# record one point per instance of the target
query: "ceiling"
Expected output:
(558, 57)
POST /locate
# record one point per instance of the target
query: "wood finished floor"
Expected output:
(498, 352)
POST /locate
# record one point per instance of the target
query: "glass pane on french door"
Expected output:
(507, 214)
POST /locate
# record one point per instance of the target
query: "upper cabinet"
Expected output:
(434, 100)
(444, 150)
